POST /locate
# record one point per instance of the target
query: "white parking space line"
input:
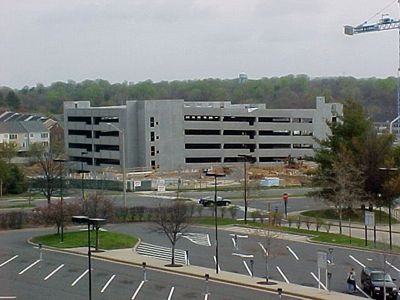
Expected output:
(316, 278)
(215, 262)
(263, 248)
(357, 261)
(8, 297)
(362, 292)
(283, 275)
(233, 242)
(205, 296)
(291, 251)
(137, 290)
(7, 261)
(54, 272)
(389, 264)
(247, 268)
(243, 255)
(28, 267)
(80, 277)
(171, 293)
(107, 283)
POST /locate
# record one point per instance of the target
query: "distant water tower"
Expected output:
(242, 77)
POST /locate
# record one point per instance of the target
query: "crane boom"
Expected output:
(385, 23)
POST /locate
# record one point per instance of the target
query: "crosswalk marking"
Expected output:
(160, 252)
(201, 239)
(7, 261)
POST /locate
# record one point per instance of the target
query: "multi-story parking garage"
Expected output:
(173, 134)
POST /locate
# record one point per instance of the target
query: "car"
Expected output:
(209, 201)
(373, 280)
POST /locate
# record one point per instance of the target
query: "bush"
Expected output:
(298, 222)
(318, 223)
(291, 220)
(199, 209)
(222, 211)
(327, 226)
(233, 210)
(308, 222)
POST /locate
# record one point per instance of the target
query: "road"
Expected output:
(64, 276)
(292, 260)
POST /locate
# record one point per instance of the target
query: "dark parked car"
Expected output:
(209, 201)
(373, 280)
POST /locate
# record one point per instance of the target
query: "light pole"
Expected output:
(246, 158)
(61, 161)
(215, 175)
(388, 170)
(122, 135)
(97, 223)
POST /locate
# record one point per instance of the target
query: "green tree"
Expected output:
(13, 100)
(8, 151)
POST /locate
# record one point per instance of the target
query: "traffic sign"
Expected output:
(369, 218)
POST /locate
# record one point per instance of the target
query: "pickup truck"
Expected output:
(209, 201)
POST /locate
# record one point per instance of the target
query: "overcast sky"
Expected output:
(43, 41)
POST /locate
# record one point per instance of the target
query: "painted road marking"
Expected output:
(247, 268)
(283, 275)
(7, 261)
(316, 278)
(28, 267)
(239, 236)
(137, 290)
(107, 283)
(291, 251)
(389, 264)
(357, 261)
(202, 239)
(205, 296)
(215, 263)
(80, 277)
(52, 273)
(243, 255)
(365, 294)
(170, 293)
(160, 252)
(8, 297)
(263, 248)
(234, 243)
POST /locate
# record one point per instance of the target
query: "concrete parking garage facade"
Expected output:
(177, 134)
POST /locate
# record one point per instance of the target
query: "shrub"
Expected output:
(308, 222)
(298, 222)
(233, 210)
(222, 211)
(199, 209)
(327, 226)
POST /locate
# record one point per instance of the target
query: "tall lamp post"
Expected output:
(61, 161)
(82, 171)
(246, 158)
(215, 175)
(97, 223)
(387, 171)
(122, 135)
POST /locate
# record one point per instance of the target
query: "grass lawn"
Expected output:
(17, 206)
(356, 215)
(107, 240)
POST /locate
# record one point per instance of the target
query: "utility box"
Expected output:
(270, 181)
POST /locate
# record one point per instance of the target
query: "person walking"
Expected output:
(351, 281)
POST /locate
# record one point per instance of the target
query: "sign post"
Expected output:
(322, 262)
(285, 198)
(369, 219)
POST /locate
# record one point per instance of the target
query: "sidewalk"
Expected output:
(128, 256)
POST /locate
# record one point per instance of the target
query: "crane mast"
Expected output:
(385, 23)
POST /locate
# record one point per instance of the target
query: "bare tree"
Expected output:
(8, 151)
(173, 220)
(47, 170)
(269, 246)
(98, 206)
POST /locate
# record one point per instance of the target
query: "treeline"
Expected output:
(378, 96)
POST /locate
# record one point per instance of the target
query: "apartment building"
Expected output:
(177, 134)
(24, 134)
